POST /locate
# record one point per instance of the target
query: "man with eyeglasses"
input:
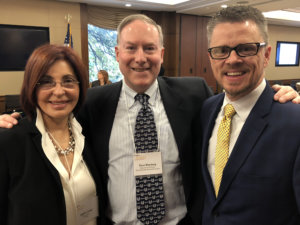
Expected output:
(250, 161)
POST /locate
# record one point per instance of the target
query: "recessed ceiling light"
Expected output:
(166, 2)
(128, 5)
(283, 15)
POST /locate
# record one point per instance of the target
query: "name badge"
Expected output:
(87, 210)
(147, 163)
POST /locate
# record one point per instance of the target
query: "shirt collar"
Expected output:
(130, 93)
(244, 105)
(41, 125)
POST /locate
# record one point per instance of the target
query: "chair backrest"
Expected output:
(298, 86)
(12, 103)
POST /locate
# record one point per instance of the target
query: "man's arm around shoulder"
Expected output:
(8, 121)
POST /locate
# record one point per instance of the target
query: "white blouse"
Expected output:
(80, 186)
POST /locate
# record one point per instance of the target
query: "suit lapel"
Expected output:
(207, 131)
(178, 117)
(36, 139)
(109, 110)
(173, 107)
(250, 133)
(102, 136)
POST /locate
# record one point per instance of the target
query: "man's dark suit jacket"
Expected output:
(182, 99)
(261, 181)
(31, 192)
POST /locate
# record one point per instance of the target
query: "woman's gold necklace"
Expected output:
(71, 146)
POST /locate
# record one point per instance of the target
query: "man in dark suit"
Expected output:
(108, 119)
(181, 112)
(254, 179)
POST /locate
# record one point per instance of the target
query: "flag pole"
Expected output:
(68, 39)
(68, 17)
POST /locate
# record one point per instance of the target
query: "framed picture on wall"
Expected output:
(287, 53)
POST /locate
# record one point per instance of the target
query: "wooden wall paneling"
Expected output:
(169, 22)
(188, 29)
(84, 35)
(170, 25)
(199, 47)
(2, 104)
(170, 63)
(203, 67)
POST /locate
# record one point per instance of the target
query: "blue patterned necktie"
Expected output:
(149, 189)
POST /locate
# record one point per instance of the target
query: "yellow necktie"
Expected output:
(222, 149)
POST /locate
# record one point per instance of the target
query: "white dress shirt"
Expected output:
(243, 107)
(121, 183)
(80, 186)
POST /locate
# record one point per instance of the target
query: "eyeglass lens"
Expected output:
(249, 49)
(49, 83)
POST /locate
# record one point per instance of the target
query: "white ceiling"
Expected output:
(203, 7)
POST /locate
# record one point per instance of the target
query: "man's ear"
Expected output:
(117, 52)
(267, 55)
(162, 55)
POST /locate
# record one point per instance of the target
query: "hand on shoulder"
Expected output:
(8, 121)
(285, 94)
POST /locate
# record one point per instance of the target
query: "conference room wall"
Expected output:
(51, 14)
(42, 13)
(282, 33)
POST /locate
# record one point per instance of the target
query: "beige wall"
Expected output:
(38, 13)
(282, 33)
(52, 14)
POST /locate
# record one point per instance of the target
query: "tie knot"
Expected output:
(142, 98)
(229, 110)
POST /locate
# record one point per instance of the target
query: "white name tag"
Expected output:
(147, 163)
(87, 210)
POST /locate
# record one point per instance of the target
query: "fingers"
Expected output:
(4, 124)
(16, 115)
(276, 87)
(8, 121)
(296, 100)
(285, 94)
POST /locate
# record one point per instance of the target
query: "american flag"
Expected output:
(68, 40)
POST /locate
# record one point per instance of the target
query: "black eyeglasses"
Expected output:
(47, 84)
(242, 50)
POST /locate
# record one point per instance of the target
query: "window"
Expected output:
(287, 53)
(101, 45)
